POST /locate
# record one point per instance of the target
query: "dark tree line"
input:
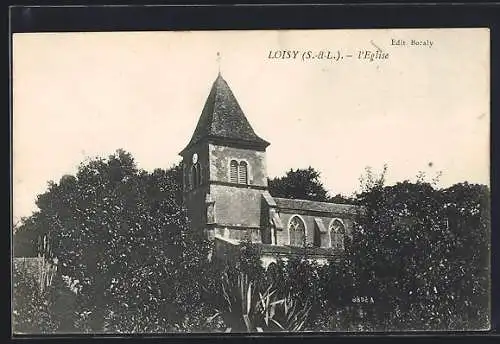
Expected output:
(425, 256)
(303, 184)
(419, 259)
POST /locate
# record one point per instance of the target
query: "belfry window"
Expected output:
(337, 234)
(238, 172)
(297, 231)
(234, 171)
(243, 173)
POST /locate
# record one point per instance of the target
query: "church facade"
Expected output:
(226, 191)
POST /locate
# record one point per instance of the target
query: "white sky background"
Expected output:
(80, 95)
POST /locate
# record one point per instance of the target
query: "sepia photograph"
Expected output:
(251, 181)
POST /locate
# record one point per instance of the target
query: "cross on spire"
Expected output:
(218, 61)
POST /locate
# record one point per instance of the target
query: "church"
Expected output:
(226, 191)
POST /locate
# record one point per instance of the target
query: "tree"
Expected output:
(63, 308)
(121, 234)
(247, 298)
(412, 259)
(30, 305)
(303, 184)
(299, 184)
(468, 212)
(24, 238)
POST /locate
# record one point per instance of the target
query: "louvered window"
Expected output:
(243, 172)
(297, 230)
(234, 171)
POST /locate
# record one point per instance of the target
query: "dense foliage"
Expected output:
(121, 235)
(41, 310)
(419, 260)
(26, 238)
(425, 256)
(30, 306)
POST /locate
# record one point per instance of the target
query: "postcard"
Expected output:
(251, 181)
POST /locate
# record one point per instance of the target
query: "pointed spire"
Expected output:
(223, 119)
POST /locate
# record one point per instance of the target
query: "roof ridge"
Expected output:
(311, 201)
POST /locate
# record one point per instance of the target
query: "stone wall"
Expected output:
(236, 206)
(196, 206)
(220, 157)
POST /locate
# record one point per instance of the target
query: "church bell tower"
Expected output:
(224, 169)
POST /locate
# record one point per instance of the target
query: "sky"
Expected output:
(423, 108)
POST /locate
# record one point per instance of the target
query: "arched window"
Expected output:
(337, 234)
(243, 173)
(297, 231)
(233, 171)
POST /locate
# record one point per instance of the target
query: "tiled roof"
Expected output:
(223, 118)
(324, 207)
